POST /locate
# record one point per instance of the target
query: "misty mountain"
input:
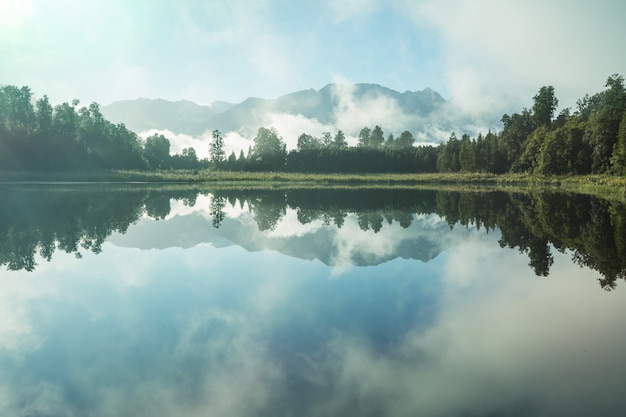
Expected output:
(178, 116)
(322, 105)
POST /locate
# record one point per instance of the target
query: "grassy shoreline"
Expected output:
(601, 185)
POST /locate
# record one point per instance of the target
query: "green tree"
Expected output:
(405, 141)
(603, 126)
(156, 151)
(217, 154)
(448, 160)
(326, 140)
(364, 137)
(190, 158)
(339, 142)
(517, 128)
(269, 150)
(16, 109)
(43, 116)
(618, 160)
(391, 142)
(545, 104)
(467, 154)
(377, 138)
(307, 142)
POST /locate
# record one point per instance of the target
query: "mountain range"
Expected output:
(333, 105)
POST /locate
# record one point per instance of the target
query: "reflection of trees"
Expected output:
(593, 229)
(268, 208)
(370, 220)
(157, 205)
(216, 210)
(43, 220)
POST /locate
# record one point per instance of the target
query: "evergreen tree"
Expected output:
(544, 106)
(339, 142)
(405, 141)
(364, 137)
(377, 138)
(216, 149)
(618, 160)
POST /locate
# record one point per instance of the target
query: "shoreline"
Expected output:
(606, 186)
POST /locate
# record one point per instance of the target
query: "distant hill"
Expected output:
(178, 116)
(245, 117)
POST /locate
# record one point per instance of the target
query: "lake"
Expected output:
(136, 300)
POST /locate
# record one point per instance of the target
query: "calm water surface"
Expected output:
(146, 301)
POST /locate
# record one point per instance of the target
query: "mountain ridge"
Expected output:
(187, 117)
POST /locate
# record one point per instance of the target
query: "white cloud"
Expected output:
(235, 142)
(352, 115)
(499, 54)
(346, 9)
(291, 126)
(180, 141)
(13, 15)
(290, 226)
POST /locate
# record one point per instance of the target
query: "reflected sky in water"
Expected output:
(176, 317)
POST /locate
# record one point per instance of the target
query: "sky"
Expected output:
(482, 54)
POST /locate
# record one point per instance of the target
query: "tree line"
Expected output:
(591, 139)
(36, 136)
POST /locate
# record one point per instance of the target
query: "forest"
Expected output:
(37, 137)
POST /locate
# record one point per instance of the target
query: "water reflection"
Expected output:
(40, 220)
(296, 303)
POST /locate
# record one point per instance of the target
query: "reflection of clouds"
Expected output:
(179, 208)
(228, 332)
(350, 241)
(522, 345)
(17, 335)
(290, 226)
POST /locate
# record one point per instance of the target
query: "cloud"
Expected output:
(348, 9)
(13, 16)
(351, 115)
(179, 141)
(499, 54)
(290, 127)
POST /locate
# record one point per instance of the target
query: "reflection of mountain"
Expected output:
(336, 226)
(329, 244)
(322, 105)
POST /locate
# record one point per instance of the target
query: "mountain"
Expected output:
(178, 116)
(322, 105)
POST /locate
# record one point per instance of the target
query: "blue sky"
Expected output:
(483, 54)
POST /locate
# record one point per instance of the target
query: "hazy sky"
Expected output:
(482, 53)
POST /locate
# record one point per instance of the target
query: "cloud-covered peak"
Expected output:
(336, 106)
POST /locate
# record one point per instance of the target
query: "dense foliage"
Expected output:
(591, 139)
(35, 136)
(586, 141)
